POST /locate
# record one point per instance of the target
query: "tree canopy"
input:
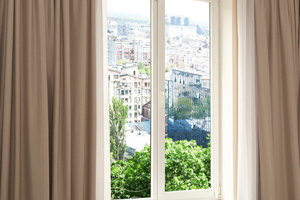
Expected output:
(187, 168)
(184, 108)
(117, 118)
(144, 69)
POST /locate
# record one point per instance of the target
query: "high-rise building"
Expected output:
(133, 88)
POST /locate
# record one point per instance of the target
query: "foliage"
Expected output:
(140, 65)
(131, 178)
(168, 41)
(144, 69)
(117, 119)
(202, 108)
(184, 108)
(187, 168)
(121, 62)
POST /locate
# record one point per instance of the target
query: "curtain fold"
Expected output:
(277, 40)
(248, 171)
(47, 100)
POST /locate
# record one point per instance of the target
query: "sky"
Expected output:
(195, 10)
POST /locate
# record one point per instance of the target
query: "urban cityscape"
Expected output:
(186, 71)
(187, 81)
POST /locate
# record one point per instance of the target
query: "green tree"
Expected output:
(117, 118)
(187, 168)
(140, 65)
(182, 109)
(168, 41)
(148, 70)
(121, 62)
(187, 165)
(202, 108)
(207, 105)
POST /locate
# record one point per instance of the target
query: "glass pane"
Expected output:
(187, 103)
(129, 55)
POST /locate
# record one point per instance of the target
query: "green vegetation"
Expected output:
(117, 119)
(144, 69)
(184, 108)
(168, 41)
(187, 168)
(121, 62)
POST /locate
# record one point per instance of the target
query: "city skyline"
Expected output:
(197, 11)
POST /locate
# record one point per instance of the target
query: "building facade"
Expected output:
(132, 87)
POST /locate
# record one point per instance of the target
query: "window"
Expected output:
(116, 76)
(184, 107)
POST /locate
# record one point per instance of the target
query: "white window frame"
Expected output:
(103, 190)
(214, 192)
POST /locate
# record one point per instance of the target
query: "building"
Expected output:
(134, 88)
(189, 130)
(180, 26)
(187, 84)
(112, 27)
(120, 49)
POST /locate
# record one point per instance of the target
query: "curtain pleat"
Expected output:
(277, 40)
(47, 100)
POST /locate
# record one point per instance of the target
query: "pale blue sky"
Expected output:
(196, 10)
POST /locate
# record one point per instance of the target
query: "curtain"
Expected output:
(248, 171)
(277, 40)
(47, 100)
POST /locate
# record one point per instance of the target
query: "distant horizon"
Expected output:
(143, 17)
(195, 10)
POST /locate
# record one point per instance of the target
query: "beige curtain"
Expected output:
(47, 100)
(277, 33)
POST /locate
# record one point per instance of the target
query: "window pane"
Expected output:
(187, 103)
(129, 64)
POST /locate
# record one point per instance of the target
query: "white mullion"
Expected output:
(154, 101)
(161, 99)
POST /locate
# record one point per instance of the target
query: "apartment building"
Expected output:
(134, 88)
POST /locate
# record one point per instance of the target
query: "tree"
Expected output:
(144, 69)
(182, 109)
(140, 65)
(148, 70)
(187, 168)
(121, 62)
(168, 41)
(117, 118)
(207, 105)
